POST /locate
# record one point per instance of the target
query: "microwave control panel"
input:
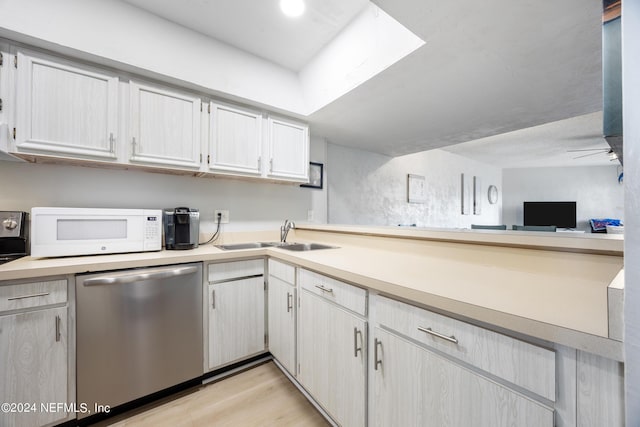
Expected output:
(152, 230)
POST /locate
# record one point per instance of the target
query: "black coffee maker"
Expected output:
(14, 235)
(181, 228)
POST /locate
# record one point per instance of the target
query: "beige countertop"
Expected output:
(554, 290)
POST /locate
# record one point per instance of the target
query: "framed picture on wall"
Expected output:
(477, 197)
(315, 175)
(416, 189)
(466, 191)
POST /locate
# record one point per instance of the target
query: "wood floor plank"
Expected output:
(260, 396)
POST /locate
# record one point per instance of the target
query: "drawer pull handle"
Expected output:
(356, 349)
(438, 334)
(376, 362)
(289, 302)
(213, 299)
(43, 294)
(57, 328)
(323, 289)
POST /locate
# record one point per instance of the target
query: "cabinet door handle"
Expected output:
(271, 165)
(58, 328)
(323, 289)
(43, 294)
(213, 299)
(438, 334)
(133, 147)
(289, 302)
(112, 143)
(356, 349)
(376, 362)
(260, 163)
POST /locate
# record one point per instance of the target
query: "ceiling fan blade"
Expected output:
(587, 155)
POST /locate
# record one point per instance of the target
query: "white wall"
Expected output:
(371, 189)
(595, 189)
(631, 111)
(318, 210)
(252, 205)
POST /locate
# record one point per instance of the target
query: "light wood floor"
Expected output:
(260, 396)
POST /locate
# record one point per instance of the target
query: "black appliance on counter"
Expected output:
(181, 228)
(14, 235)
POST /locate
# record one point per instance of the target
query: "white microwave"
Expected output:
(89, 231)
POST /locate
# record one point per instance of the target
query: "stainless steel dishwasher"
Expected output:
(138, 332)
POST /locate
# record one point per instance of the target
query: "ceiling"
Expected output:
(259, 27)
(487, 68)
(547, 145)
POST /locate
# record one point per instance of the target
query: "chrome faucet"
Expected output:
(284, 230)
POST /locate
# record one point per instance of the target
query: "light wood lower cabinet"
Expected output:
(416, 387)
(600, 391)
(282, 322)
(236, 320)
(332, 357)
(33, 363)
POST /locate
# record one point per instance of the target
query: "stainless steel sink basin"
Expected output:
(299, 247)
(250, 245)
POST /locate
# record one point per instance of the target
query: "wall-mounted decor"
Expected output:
(315, 175)
(492, 194)
(477, 197)
(465, 194)
(416, 189)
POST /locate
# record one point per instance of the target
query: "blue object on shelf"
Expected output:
(600, 225)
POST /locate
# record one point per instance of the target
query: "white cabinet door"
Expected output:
(235, 140)
(165, 126)
(282, 322)
(4, 97)
(33, 365)
(395, 387)
(236, 320)
(65, 109)
(415, 387)
(332, 358)
(288, 150)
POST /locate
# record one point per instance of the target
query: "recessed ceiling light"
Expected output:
(292, 8)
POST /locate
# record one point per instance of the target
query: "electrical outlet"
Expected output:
(225, 216)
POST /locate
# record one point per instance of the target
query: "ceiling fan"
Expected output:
(609, 151)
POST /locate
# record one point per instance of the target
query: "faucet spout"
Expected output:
(284, 230)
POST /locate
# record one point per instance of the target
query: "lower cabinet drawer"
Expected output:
(282, 271)
(347, 296)
(217, 272)
(526, 365)
(33, 294)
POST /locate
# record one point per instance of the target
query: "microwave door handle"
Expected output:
(154, 274)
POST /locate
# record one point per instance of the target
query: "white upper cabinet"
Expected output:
(288, 150)
(71, 111)
(64, 108)
(165, 126)
(235, 140)
(4, 101)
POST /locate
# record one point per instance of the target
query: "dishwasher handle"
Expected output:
(149, 274)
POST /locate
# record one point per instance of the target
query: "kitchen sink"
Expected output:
(299, 247)
(250, 245)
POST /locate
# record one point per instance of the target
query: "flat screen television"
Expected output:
(560, 214)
